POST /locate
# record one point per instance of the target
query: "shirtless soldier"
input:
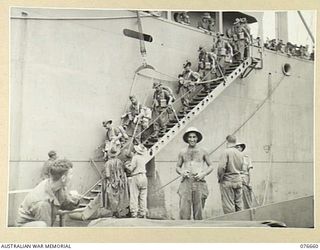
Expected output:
(193, 165)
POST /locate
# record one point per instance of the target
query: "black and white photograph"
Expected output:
(162, 118)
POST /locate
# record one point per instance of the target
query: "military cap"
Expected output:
(52, 153)
(231, 139)
(106, 122)
(156, 84)
(187, 64)
(206, 15)
(242, 145)
(237, 21)
(192, 130)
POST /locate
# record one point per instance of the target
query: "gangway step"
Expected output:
(95, 191)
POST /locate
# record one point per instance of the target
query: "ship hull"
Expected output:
(67, 76)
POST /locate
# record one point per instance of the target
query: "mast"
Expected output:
(306, 26)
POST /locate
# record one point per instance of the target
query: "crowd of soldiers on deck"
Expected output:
(289, 49)
(207, 24)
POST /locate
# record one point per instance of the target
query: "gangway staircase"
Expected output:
(199, 102)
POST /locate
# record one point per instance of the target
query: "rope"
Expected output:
(268, 179)
(168, 183)
(155, 78)
(200, 82)
(173, 77)
(130, 92)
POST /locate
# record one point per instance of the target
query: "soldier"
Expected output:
(246, 178)
(248, 39)
(162, 99)
(273, 44)
(234, 42)
(187, 70)
(213, 59)
(193, 165)
(143, 121)
(306, 52)
(267, 43)
(138, 183)
(40, 206)
(223, 48)
(202, 53)
(312, 54)
(206, 23)
(280, 46)
(203, 58)
(229, 177)
(258, 40)
(189, 75)
(288, 49)
(144, 116)
(186, 87)
(114, 137)
(116, 185)
(206, 67)
(243, 38)
(182, 18)
(189, 80)
(131, 113)
(46, 166)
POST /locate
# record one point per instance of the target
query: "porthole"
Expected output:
(286, 69)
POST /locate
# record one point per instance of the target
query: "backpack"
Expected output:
(170, 92)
